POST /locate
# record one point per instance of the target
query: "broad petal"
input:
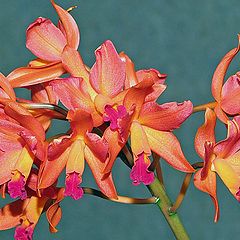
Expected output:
(220, 72)
(166, 145)
(104, 181)
(229, 171)
(70, 26)
(208, 186)
(73, 63)
(165, 117)
(45, 40)
(231, 95)
(107, 75)
(205, 132)
(26, 76)
(72, 93)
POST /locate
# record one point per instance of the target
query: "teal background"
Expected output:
(185, 39)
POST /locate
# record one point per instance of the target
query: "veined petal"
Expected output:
(166, 145)
(73, 63)
(208, 186)
(104, 181)
(107, 75)
(26, 76)
(229, 171)
(231, 95)
(45, 40)
(220, 72)
(205, 132)
(72, 93)
(70, 26)
(165, 117)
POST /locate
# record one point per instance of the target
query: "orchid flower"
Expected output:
(22, 139)
(24, 214)
(71, 152)
(47, 42)
(226, 94)
(221, 158)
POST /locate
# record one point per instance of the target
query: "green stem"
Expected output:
(157, 189)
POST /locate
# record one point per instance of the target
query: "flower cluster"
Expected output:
(110, 107)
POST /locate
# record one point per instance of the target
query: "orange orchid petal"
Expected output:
(38, 63)
(7, 163)
(10, 215)
(19, 113)
(151, 74)
(114, 146)
(54, 212)
(80, 121)
(208, 186)
(70, 26)
(98, 145)
(220, 72)
(166, 145)
(222, 116)
(104, 181)
(229, 171)
(72, 92)
(230, 145)
(107, 75)
(131, 77)
(6, 86)
(26, 76)
(205, 132)
(136, 96)
(73, 63)
(45, 40)
(76, 161)
(165, 117)
(139, 140)
(231, 95)
(53, 169)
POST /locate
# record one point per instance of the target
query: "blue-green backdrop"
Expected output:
(184, 39)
